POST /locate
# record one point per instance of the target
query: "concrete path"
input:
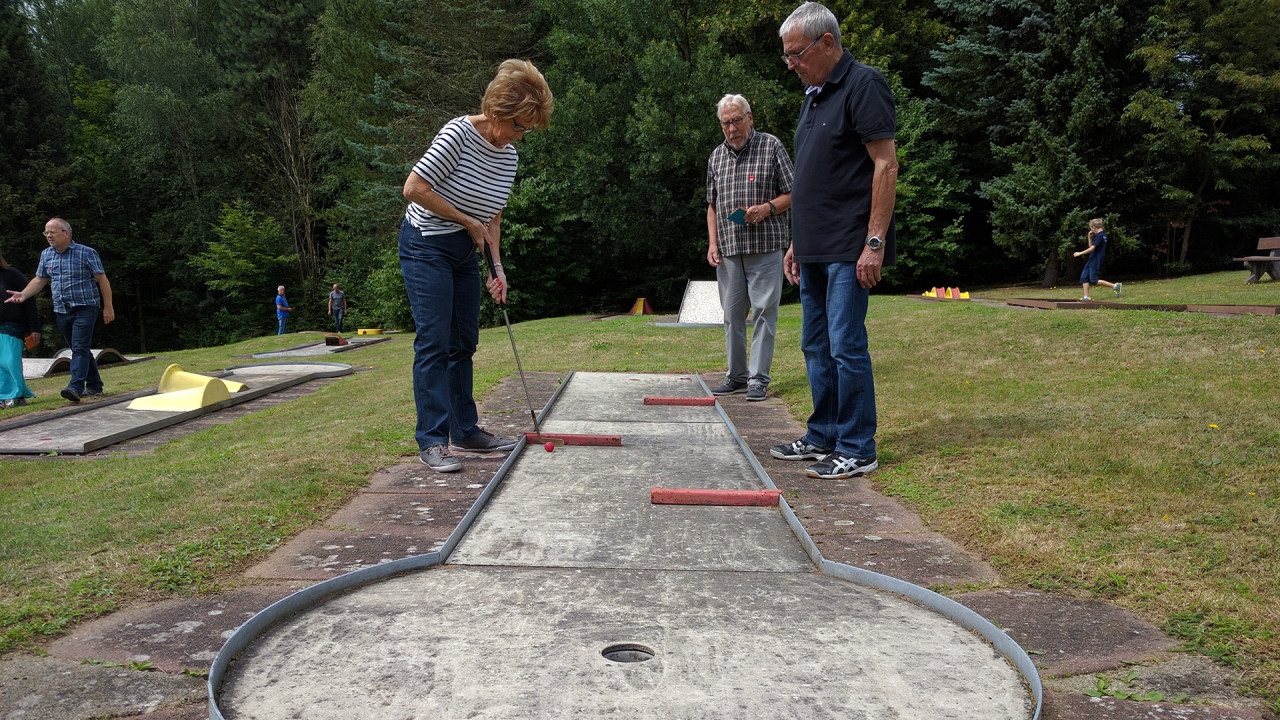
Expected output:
(570, 560)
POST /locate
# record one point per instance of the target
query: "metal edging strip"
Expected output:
(944, 606)
(314, 595)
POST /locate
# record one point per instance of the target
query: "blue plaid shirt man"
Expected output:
(80, 286)
(71, 276)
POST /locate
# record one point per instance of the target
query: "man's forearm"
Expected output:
(884, 186)
(32, 289)
(104, 287)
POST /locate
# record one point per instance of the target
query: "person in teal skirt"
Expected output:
(18, 321)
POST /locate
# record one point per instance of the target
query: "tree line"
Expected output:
(214, 149)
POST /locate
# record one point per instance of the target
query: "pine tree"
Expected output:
(1033, 92)
(1212, 113)
(28, 127)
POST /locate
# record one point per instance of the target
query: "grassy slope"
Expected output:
(1129, 455)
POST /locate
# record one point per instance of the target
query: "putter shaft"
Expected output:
(519, 368)
(493, 273)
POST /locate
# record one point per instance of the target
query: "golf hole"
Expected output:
(627, 653)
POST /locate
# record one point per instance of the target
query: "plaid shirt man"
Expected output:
(754, 175)
(71, 276)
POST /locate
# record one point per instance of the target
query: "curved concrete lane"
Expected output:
(569, 559)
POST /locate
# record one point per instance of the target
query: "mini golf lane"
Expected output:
(84, 428)
(572, 596)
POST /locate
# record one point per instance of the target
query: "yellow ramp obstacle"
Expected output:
(945, 293)
(181, 391)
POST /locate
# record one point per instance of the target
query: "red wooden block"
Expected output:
(572, 439)
(696, 496)
(679, 401)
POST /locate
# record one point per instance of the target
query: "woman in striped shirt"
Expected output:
(456, 194)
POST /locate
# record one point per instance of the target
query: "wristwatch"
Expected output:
(875, 243)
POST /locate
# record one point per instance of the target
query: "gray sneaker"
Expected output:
(484, 442)
(757, 392)
(438, 458)
(1117, 288)
(799, 450)
(729, 387)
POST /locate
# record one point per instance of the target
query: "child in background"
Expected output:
(1097, 250)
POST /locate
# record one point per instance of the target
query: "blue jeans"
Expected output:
(281, 321)
(834, 339)
(337, 320)
(442, 280)
(76, 327)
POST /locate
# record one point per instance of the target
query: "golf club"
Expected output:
(493, 273)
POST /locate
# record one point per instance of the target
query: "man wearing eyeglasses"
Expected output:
(79, 286)
(842, 235)
(748, 189)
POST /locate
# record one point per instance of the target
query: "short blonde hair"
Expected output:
(1095, 223)
(519, 91)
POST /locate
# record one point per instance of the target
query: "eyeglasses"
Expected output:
(788, 57)
(520, 128)
(733, 121)
(50, 233)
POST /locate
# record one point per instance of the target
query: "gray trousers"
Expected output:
(750, 282)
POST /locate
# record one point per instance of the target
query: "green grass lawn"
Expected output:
(1127, 455)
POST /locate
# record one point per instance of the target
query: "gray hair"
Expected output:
(732, 100)
(813, 20)
(66, 226)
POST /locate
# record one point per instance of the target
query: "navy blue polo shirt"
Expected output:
(831, 193)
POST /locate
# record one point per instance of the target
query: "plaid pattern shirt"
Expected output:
(71, 276)
(754, 175)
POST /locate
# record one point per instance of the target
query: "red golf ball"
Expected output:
(550, 446)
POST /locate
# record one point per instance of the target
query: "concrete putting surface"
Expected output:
(90, 426)
(570, 559)
(501, 642)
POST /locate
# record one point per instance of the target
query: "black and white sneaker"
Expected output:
(799, 450)
(729, 387)
(438, 458)
(484, 442)
(757, 392)
(838, 466)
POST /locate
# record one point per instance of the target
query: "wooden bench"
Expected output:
(1258, 264)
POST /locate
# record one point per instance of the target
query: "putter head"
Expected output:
(558, 442)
